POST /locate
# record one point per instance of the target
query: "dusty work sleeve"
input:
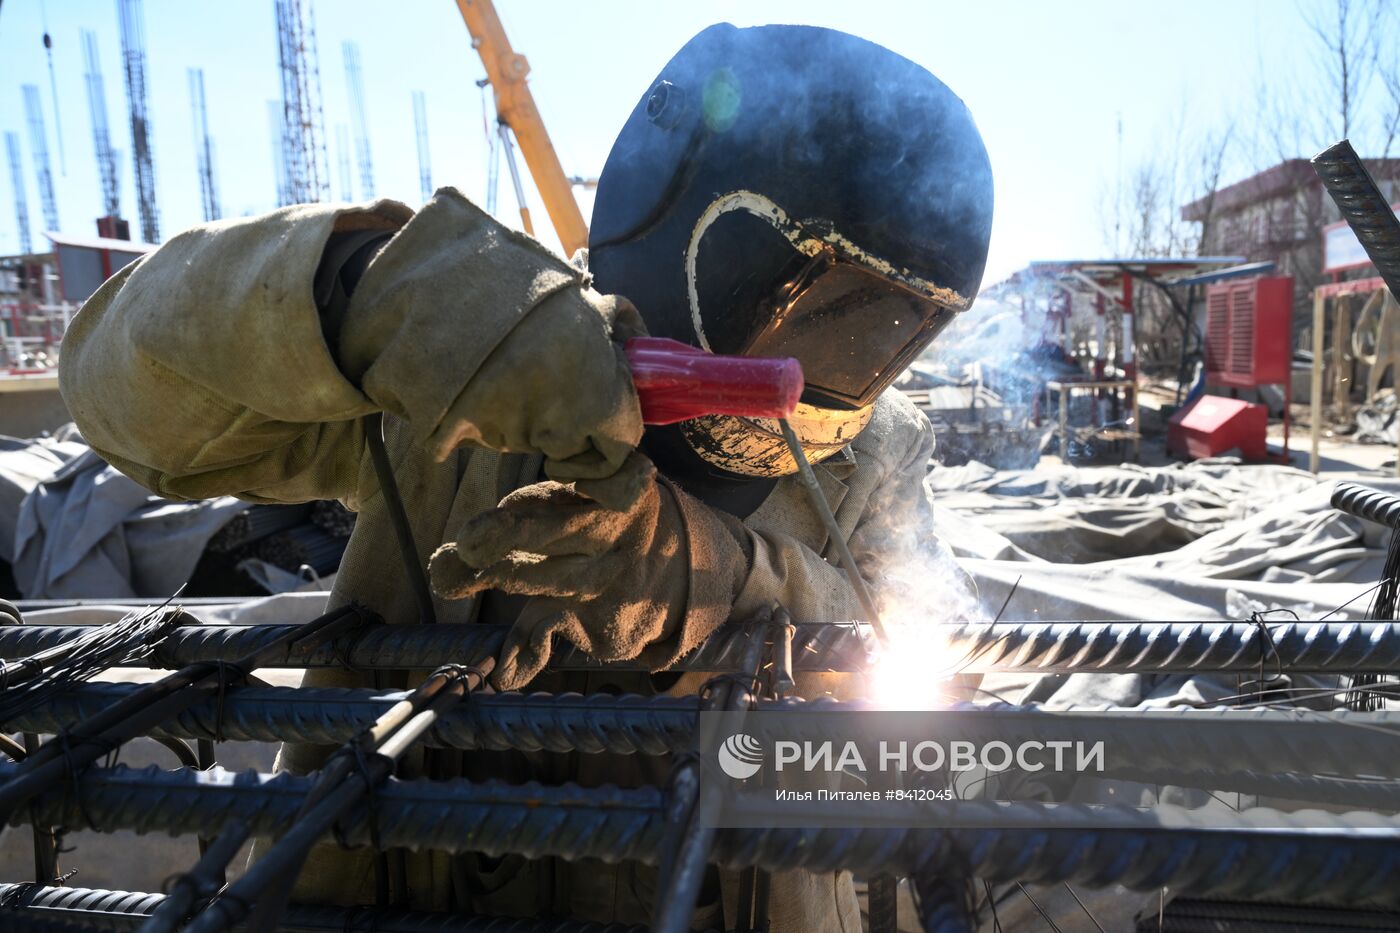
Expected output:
(912, 573)
(201, 370)
(893, 542)
(209, 368)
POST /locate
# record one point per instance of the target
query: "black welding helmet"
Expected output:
(795, 191)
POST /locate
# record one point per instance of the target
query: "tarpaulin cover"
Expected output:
(86, 530)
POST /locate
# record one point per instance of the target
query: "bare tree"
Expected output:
(1347, 37)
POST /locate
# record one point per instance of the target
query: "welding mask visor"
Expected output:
(764, 284)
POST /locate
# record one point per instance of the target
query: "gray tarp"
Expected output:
(1209, 540)
(1205, 541)
(23, 465)
(88, 531)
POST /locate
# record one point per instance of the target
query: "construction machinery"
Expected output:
(506, 71)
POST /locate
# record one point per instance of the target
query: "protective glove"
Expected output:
(650, 582)
(477, 334)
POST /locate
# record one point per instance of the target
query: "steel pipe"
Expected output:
(32, 908)
(1032, 647)
(1306, 856)
(1283, 741)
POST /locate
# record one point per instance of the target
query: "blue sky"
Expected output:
(1047, 82)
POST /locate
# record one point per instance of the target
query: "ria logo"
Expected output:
(740, 756)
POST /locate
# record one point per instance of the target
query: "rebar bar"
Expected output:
(1286, 741)
(31, 908)
(1031, 647)
(1304, 856)
(255, 523)
(626, 724)
(145, 708)
(695, 802)
(1370, 504)
(943, 903)
(341, 786)
(1363, 207)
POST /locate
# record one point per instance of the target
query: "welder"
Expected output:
(778, 191)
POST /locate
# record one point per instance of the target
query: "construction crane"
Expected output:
(303, 134)
(420, 130)
(515, 108)
(355, 84)
(53, 89)
(26, 245)
(102, 138)
(277, 130)
(203, 146)
(342, 156)
(133, 29)
(39, 151)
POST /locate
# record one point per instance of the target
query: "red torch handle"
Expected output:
(676, 382)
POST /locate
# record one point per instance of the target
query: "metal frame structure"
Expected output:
(1308, 856)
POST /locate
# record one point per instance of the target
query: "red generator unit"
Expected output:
(1249, 332)
(1249, 340)
(1211, 426)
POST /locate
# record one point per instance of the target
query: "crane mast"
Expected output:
(39, 151)
(303, 133)
(420, 129)
(101, 133)
(355, 84)
(26, 245)
(203, 146)
(133, 30)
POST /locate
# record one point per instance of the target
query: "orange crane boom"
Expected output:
(506, 70)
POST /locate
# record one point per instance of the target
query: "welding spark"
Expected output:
(913, 671)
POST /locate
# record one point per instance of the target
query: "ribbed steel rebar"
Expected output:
(1292, 741)
(1364, 208)
(145, 708)
(1308, 856)
(1365, 502)
(1034, 647)
(943, 903)
(26, 907)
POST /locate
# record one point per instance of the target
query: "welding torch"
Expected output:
(677, 382)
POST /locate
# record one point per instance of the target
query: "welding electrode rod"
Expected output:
(833, 530)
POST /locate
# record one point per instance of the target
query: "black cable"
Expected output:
(398, 517)
(28, 683)
(1383, 601)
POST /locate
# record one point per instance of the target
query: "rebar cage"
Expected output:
(209, 695)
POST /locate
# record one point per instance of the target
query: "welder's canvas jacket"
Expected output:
(202, 370)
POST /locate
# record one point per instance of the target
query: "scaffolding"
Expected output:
(39, 152)
(133, 30)
(420, 131)
(26, 245)
(355, 87)
(203, 146)
(303, 132)
(101, 134)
